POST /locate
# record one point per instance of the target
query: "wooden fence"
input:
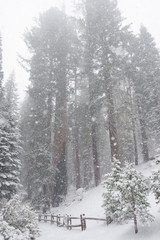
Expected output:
(69, 222)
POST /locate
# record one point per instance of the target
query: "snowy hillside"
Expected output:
(91, 205)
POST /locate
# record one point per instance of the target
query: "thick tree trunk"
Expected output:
(95, 155)
(90, 45)
(77, 160)
(144, 141)
(50, 131)
(135, 142)
(133, 126)
(94, 135)
(108, 87)
(113, 136)
(77, 163)
(59, 151)
(93, 112)
(143, 134)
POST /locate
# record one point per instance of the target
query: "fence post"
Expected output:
(81, 219)
(52, 219)
(63, 220)
(67, 221)
(84, 222)
(59, 220)
(70, 222)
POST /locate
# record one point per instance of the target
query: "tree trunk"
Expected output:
(77, 164)
(113, 136)
(135, 223)
(143, 134)
(133, 124)
(93, 111)
(134, 215)
(77, 160)
(135, 142)
(50, 129)
(95, 155)
(59, 151)
(90, 49)
(144, 141)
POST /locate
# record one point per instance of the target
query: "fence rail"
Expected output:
(67, 220)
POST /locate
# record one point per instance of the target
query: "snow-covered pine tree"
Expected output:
(4, 148)
(44, 42)
(37, 171)
(134, 191)
(1, 86)
(92, 83)
(112, 196)
(9, 162)
(1, 73)
(106, 37)
(149, 59)
(50, 43)
(11, 100)
(8, 181)
(144, 77)
(126, 195)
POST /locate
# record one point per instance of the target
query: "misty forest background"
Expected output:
(93, 98)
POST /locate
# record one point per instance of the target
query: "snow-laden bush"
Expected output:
(126, 195)
(10, 233)
(19, 220)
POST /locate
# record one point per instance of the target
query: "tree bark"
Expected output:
(59, 151)
(77, 160)
(133, 127)
(135, 142)
(143, 134)
(113, 136)
(78, 179)
(135, 223)
(90, 50)
(95, 155)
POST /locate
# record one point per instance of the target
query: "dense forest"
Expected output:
(93, 99)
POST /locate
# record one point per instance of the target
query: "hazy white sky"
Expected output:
(17, 15)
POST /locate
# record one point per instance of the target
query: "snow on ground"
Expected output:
(102, 232)
(91, 206)
(90, 202)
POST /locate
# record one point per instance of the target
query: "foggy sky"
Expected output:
(17, 15)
